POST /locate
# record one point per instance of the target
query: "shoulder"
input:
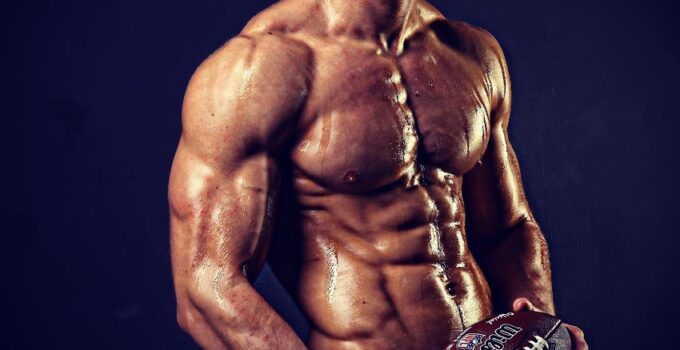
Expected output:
(465, 35)
(483, 48)
(249, 53)
(264, 48)
(253, 86)
(251, 61)
(248, 64)
(267, 42)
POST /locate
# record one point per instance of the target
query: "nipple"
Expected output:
(350, 177)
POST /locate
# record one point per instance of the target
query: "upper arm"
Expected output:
(239, 107)
(493, 190)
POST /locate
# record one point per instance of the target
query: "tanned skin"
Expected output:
(362, 147)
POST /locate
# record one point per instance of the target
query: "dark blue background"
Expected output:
(91, 95)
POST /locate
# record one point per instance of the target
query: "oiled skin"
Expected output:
(351, 144)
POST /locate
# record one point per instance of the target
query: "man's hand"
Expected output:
(578, 340)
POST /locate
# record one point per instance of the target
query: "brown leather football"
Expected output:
(526, 330)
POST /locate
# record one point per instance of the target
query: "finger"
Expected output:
(578, 339)
(523, 304)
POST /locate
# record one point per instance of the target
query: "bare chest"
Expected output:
(372, 117)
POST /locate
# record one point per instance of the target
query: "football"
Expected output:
(526, 330)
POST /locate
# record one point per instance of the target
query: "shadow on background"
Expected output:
(91, 98)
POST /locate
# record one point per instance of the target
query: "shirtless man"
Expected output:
(362, 147)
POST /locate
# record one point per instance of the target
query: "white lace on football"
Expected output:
(537, 344)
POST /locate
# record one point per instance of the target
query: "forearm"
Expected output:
(236, 317)
(518, 266)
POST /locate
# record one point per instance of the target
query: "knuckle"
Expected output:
(580, 333)
(577, 331)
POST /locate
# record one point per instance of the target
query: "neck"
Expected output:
(386, 20)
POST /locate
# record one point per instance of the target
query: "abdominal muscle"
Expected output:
(389, 270)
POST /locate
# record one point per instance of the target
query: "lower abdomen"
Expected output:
(352, 304)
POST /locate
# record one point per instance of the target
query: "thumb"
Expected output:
(523, 304)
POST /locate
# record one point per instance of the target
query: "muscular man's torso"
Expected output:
(370, 237)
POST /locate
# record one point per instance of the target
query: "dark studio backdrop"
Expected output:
(91, 96)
